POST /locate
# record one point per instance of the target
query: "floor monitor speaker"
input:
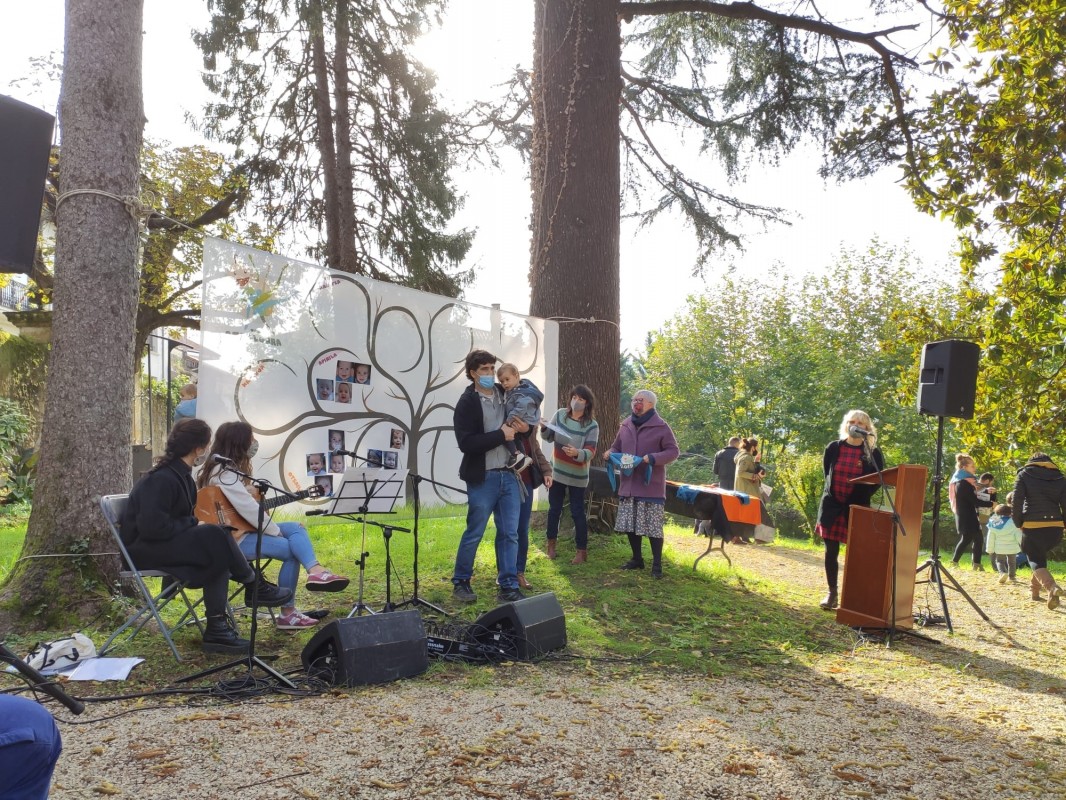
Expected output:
(947, 379)
(525, 629)
(25, 141)
(373, 649)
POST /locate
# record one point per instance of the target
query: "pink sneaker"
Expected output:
(294, 621)
(326, 581)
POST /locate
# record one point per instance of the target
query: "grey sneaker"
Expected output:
(463, 593)
(509, 595)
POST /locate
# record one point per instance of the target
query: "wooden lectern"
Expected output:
(866, 598)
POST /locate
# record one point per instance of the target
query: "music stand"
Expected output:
(366, 491)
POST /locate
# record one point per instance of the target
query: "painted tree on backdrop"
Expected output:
(85, 452)
(748, 78)
(992, 157)
(783, 361)
(339, 131)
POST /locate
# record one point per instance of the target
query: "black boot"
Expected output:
(637, 561)
(220, 636)
(656, 557)
(267, 593)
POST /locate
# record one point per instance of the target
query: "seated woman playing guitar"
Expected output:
(160, 532)
(285, 541)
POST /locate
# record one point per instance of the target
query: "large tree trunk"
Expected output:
(326, 146)
(85, 444)
(576, 193)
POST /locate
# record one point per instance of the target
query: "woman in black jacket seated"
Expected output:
(160, 532)
(1039, 509)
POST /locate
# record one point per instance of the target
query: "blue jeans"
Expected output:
(292, 549)
(556, 496)
(525, 511)
(497, 496)
(29, 748)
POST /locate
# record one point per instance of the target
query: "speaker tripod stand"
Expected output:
(937, 571)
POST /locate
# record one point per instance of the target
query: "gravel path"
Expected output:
(979, 715)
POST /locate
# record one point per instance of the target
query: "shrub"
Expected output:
(17, 459)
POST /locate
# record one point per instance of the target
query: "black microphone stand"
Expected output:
(39, 681)
(251, 660)
(415, 600)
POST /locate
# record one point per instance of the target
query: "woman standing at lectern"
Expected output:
(855, 453)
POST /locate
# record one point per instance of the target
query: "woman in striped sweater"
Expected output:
(570, 471)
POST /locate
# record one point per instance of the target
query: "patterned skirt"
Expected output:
(640, 517)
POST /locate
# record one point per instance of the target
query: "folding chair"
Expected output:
(151, 605)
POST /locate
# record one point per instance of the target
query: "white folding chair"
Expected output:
(151, 604)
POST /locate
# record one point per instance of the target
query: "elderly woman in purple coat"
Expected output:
(642, 492)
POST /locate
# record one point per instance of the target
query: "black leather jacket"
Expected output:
(1039, 496)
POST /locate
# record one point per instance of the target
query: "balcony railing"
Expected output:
(13, 297)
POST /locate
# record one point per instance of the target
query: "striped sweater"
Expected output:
(585, 437)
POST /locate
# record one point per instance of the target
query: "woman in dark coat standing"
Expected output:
(854, 454)
(962, 494)
(1039, 508)
(160, 532)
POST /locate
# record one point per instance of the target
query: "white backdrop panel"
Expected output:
(299, 351)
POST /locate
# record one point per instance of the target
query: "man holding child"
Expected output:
(481, 431)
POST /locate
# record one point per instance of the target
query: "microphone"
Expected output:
(855, 430)
(340, 452)
(221, 459)
(316, 513)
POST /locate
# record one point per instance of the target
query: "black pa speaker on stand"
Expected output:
(377, 648)
(525, 629)
(25, 141)
(947, 379)
(947, 387)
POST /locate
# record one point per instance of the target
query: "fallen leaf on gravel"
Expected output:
(739, 768)
(854, 777)
(386, 785)
(154, 753)
(107, 788)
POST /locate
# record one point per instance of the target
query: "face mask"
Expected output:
(200, 459)
(577, 406)
(486, 381)
(254, 448)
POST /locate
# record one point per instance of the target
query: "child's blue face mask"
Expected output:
(486, 381)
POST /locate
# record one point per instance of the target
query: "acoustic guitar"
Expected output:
(214, 508)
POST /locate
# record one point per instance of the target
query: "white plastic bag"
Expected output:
(62, 653)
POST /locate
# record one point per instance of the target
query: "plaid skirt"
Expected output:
(640, 517)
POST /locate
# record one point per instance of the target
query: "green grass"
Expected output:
(713, 621)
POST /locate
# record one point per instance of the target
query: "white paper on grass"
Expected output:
(104, 669)
(273, 328)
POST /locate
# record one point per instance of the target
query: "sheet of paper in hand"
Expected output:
(562, 436)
